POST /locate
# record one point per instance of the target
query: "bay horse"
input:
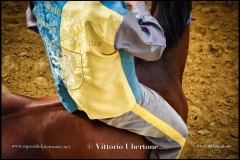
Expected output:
(43, 128)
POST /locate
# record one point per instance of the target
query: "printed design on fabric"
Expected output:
(76, 37)
(48, 16)
(66, 65)
(71, 68)
(70, 64)
(75, 44)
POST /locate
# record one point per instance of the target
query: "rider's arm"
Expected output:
(140, 34)
(31, 19)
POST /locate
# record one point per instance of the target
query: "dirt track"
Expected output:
(210, 80)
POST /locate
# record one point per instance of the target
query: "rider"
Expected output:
(91, 48)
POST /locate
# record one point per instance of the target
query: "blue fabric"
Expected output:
(127, 59)
(49, 28)
(52, 32)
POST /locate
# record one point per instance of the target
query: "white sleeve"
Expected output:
(31, 19)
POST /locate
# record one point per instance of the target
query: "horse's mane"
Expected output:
(173, 17)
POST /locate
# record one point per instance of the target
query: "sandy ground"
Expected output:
(210, 79)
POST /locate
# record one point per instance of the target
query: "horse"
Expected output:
(43, 128)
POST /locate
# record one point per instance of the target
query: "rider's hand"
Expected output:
(132, 3)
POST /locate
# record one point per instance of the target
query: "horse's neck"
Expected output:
(165, 75)
(175, 59)
(56, 126)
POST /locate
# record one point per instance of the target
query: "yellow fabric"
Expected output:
(91, 67)
(158, 123)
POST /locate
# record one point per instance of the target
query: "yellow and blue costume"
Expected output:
(88, 45)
